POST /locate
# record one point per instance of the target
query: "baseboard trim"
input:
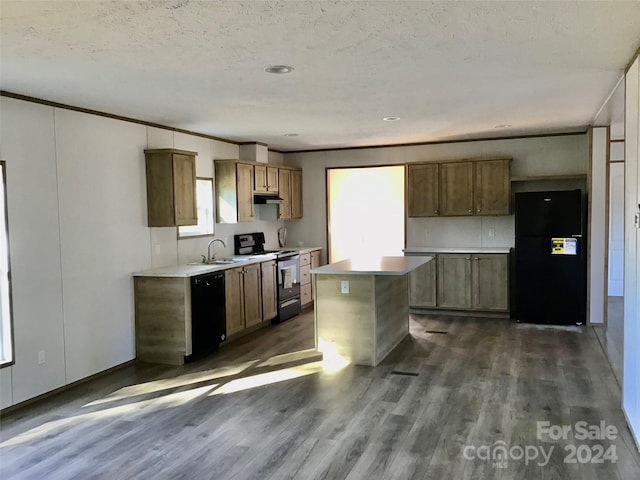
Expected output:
(458, 313)
(68, 386)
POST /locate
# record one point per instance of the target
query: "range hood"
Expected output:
(265, 198)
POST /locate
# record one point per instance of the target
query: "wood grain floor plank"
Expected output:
(253, 412)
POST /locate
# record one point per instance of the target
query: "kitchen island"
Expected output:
(362, 307)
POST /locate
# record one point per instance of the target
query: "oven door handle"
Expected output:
(289, 302)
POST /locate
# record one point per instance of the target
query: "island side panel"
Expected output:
(345, 322)
(392, 313)
(163, 312)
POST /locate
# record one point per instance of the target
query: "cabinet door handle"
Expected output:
(469, 210)
(476, 259)
(478, 210)
(468, 258)
(435, 211)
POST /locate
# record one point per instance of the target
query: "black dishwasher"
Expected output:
(208, 314)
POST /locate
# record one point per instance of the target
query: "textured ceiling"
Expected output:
(450, 70)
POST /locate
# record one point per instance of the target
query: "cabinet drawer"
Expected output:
(305, 276)
(305, 294)
(305, 259)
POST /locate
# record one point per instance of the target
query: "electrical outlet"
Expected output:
(344, 286)
(156, 249)
(41, 358)
(492, 232)
(427, 232)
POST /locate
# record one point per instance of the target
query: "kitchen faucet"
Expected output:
(209, 256)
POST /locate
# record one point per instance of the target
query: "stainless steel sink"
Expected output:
(221, 261)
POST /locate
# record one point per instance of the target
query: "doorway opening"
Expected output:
(365, 212)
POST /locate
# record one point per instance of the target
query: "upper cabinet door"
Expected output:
(284, 180)
(423, 190)
(296, 194)
(171, 187)
(244, 180)
(456, 188)
(272, 179)
(492, 194)
(260, 178)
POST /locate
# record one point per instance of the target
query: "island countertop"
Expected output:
(373, 266)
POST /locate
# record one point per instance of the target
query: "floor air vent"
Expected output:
(442, 332)
(408, 374)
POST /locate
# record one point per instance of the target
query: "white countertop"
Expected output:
(373, 266)
(297, 249)
(411, 250)
(200, 269)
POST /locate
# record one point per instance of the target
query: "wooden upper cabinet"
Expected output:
(272, 179)
(171, 187)
(474, 187)
(296, 193)
(423, 190)
(492, 193)
(234, 191)
(456, 188)
(284, 182)
(245, 192)
(265, 179)
(260, 178)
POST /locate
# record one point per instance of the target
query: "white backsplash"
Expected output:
(460, 231)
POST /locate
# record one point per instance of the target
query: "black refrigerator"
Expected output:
(550, 258)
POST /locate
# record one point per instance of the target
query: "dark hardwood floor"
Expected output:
(455, 388)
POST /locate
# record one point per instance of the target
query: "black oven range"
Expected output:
(288, 272)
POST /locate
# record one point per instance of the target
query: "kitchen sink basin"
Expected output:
(221, 261)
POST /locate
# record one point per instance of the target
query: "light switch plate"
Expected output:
(344, 286)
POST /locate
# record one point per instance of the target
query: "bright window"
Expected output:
(6, 326)
(366, 212)
(204, 200)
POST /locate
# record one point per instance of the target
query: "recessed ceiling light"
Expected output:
(290, 134)
(391, 119)
(278, 69)
(506, 125)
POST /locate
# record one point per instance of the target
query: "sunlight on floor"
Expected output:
(132, 409)
(224, 381)
(332, 361)
(169, 383)
(268, 378)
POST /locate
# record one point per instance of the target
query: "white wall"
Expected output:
(27, 138)
(78, 229)
(531, 156)
(597, 224)
(616, 229)
(103, 236)
(631, 368)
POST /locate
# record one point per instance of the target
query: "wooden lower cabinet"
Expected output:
(269, 290)
(252, 284)
(243, 297)
(234, 300)
(470, 281)
(454, 281)
(489, 281)
(422, 285)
